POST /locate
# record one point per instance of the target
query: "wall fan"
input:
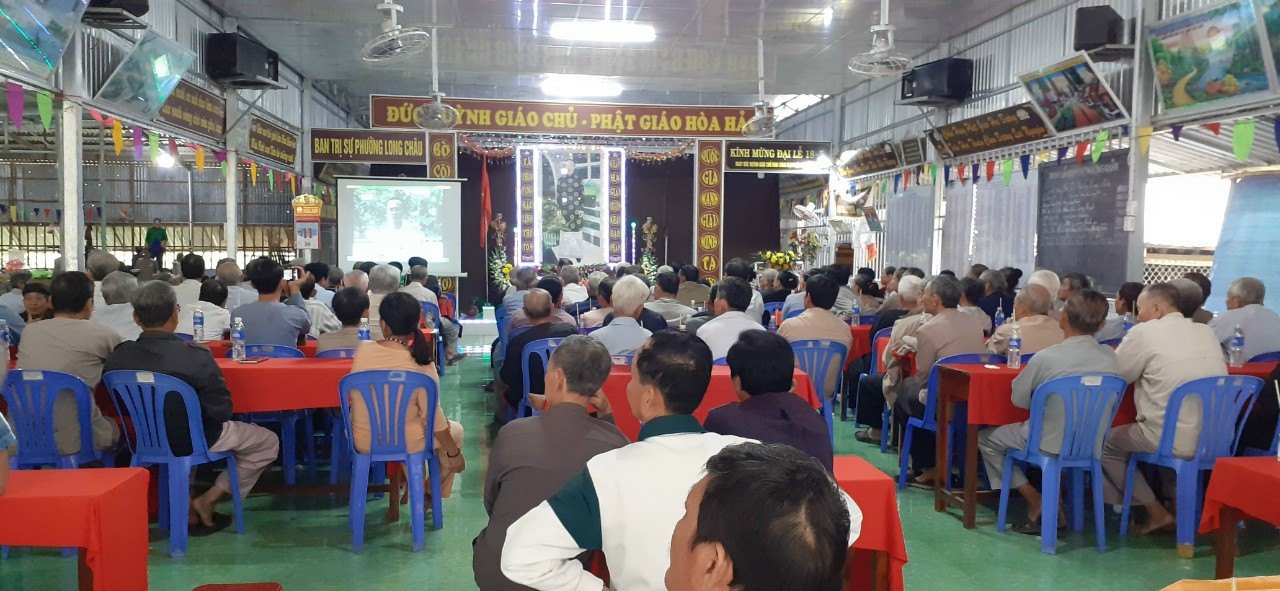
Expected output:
(882, 60)
(435, 115)
(763, 124)
(808, 213)
(395, 42)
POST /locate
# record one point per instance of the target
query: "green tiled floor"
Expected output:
(302, 540)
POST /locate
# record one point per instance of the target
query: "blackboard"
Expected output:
(1081, 221)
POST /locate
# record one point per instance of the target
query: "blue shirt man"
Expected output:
(268, 321)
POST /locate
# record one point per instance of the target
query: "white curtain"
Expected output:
(1004, 223)
(908, 236)
(957, 228)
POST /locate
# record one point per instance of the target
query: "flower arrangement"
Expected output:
(805, 245)
(779, 260)
(649, 262)
(500, 269)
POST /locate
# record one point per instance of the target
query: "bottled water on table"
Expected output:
(197, 325)
(999, 319)
(857, 313)
(4, 340)
(237, 339)
(1015, 348)
(364, 330)
(1235, 351)
(1128, 322)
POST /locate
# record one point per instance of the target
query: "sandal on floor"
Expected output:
(865, 437)
(1032, 528)
(199, 530)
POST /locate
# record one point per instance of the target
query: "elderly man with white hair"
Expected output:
(117, 313)
(1030, 315)
(357, 279)
(384, 280)
(1245, 310)
(874, 390)
(624, 335)
(574, 291)
(1051, 283)
(228, 274)
(99, 265)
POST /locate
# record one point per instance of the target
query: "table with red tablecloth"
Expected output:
(719, 393)
(1238, 488)
(284, 384)
(883, 549)
(220, 348)
(103, 511)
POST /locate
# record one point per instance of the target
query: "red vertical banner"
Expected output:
(527, 254)
(617, 206)
(442, 160)
(708, 220)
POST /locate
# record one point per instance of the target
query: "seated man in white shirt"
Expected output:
(624, 335)
(99, 265)
(229, 275)
(604, 291)
(417, 286)
(320, 272)
(741, 268)
(574, 291)
(1260, 325)
(664, 299)
(1161, 353)
(1030, 315)
(117, 314)
(322, 318)
(217, 318)
(733, 297)
(192, 266)
(763, 517)
(13, 299)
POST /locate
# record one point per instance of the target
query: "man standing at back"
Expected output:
(532, 458)
(268, 321)
(733, 298)
(1162, 352)
(626, 502)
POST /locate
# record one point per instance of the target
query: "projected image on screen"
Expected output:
(383, 220)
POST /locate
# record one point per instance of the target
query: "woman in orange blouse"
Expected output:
(406, 348)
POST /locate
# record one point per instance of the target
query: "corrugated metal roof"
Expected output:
(1199, 150)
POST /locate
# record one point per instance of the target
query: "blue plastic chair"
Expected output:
(431, 313)
(184, 336)
(1226, 403)
(772, 307)
(386, 395)
(1275, 446)
(793, 313)
(31, 395)
(1265, 357)
(289, 419)
(930, 420)
(622, 359)
(720, 361)
(586, 330)
(144, 394)
(817, 358)
(453, 299)
(1090, 403)
(336, 354)
(271, 351)
(868, 319)
(501, 320)
(1113, 343)
(542, 348)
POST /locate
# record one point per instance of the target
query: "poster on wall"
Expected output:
(1072, 96)
(1271, 24)
(1209, 56)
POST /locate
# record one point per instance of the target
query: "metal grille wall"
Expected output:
(957, 227)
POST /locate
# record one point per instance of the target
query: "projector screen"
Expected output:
(384, 220)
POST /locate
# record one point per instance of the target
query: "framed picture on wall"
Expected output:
(1072, 96)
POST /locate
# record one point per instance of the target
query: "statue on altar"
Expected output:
(499, 229)
(650, 230)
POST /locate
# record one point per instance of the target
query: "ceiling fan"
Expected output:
(882, 60)
(435, 115)
(763, 124)
(395, 42)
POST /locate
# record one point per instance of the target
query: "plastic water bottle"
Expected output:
(364, 330)
(1235, 352)
(197, 325)
(1128, 323)
(4, 340)
(857, 313)
(925, 318)
(237, 339)
(1015, 348)
(773, 322)
(999, 320)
